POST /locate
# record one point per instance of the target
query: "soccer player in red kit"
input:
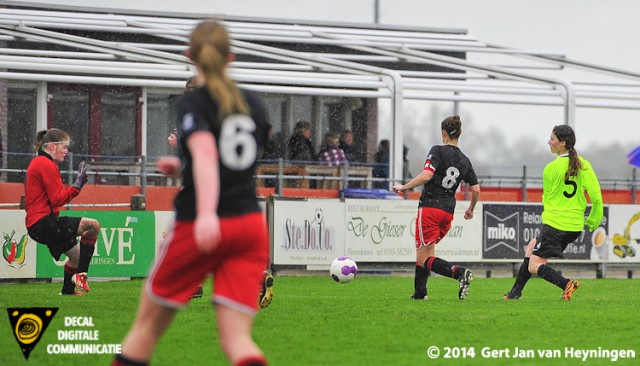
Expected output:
(219, 226)
(45, 194)
(445, 168)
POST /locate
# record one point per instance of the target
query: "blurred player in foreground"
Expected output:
(445, 168)
(266, 294)
(45, 194)
(219, 226)
(564, 182)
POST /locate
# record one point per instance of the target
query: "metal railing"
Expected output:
(141, 171)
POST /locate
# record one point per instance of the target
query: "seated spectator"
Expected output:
(346, 144)
(300, 145)
(330, 152)
(381, 169)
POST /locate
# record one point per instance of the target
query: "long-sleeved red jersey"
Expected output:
(44, 191)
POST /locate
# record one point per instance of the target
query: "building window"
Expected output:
(20, 131)
(104, 122)
(161, 120)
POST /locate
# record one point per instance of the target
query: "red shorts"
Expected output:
(237, 264)
(431, 226)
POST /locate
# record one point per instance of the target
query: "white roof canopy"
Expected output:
(299, 57)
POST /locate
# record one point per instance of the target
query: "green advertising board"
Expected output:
(125, 246)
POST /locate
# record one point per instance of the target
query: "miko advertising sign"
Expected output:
(508, 228)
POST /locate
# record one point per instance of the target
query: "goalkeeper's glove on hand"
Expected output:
(81, 179)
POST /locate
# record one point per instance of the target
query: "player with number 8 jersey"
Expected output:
(445, 168)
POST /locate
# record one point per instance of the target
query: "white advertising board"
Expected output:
(384, 231)
(18, 249)
(380, 230)
(313, 232)
(620, 243)
(164, 221)
(307, 232)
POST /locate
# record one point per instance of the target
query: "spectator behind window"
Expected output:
(300, 145)
(330, 153)
(381, 169)
(346, 144)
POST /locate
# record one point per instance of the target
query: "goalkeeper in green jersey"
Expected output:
(564, 183)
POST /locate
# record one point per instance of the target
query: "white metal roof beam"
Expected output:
(97, 63)
(469, 98)
(269, 66)
(42, 39)
(58, 54)
(179, 85)
(465, 65)
(354, 31)
(96, 70)
(634, 75)
(94, 45)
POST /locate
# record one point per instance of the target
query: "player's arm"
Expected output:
(475, 195)
(425, 176)
(206, 177)
(592, 185)
(58, 193)
(419, 180)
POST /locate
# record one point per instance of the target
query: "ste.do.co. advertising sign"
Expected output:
(508, 228)
(308, 232)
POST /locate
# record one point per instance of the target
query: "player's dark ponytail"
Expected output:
(452, 125)
(565, 133)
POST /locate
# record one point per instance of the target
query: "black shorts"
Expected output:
(552, 242)
(58, 233)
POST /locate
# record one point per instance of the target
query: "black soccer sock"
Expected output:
(121, 360)
(87, 247)
(550, 275)
(443, 268)
(420, 281)
(68, 287)
(522, 278)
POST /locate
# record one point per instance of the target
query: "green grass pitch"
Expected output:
(370, 321)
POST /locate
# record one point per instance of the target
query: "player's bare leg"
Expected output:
(235, 336)
(151, 322)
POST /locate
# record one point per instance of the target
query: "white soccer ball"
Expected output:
(343, 269)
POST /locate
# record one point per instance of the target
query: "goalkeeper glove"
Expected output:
(81, 179)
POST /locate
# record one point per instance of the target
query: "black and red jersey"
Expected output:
(44, 192)
(239, 139)
(450, 166)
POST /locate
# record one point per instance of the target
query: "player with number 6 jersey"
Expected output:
(219, 227)
(445, 168)
(237, 137)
